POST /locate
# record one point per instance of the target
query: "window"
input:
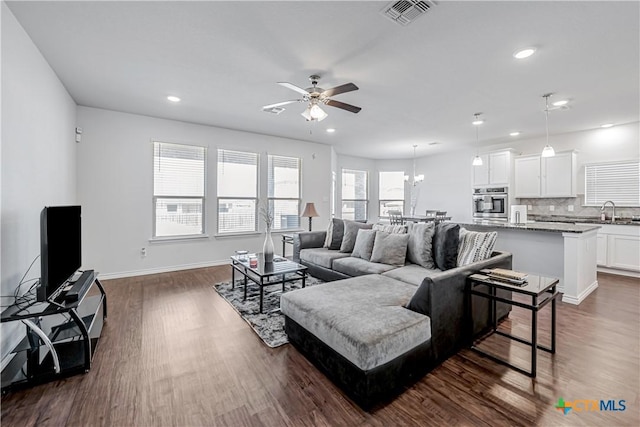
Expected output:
(237, 191)
(618, 182)
(178, 189)
(391, 192)
(354, 194)
(284, 191)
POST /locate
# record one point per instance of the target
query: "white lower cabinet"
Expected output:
(619, 247)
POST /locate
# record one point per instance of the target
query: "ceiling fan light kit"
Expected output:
(315, 97)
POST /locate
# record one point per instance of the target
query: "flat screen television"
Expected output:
(60, 248)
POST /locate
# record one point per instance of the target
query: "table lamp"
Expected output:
(310, 212)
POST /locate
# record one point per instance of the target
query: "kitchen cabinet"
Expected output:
(619, 248)
(495, 170)
(537, 176)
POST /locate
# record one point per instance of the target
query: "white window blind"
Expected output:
(178, 189)
(354, 194)
(391, 192)
(237, 191)
(283, 183)
(618, 182)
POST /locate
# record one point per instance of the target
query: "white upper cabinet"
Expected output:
(537, 176)
(495, 170)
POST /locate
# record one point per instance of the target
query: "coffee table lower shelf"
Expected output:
(267, 274)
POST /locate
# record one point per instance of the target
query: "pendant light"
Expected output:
(548, 150)
(477, 161)
(416, 178)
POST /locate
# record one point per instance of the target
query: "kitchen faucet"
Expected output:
(613, 213)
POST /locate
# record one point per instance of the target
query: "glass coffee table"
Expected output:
(278, 272)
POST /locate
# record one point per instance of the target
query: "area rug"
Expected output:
(269, 325)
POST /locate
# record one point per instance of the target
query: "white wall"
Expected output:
(38, 154)
(115, 189)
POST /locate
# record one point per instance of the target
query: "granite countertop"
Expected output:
(553, 227)
(581, 219)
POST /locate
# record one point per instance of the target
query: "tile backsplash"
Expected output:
(561, 207)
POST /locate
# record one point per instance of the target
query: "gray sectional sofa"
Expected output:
(377, 327)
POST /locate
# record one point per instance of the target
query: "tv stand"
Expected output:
(60, 337)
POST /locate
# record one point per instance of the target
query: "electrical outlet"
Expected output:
(552, 208)
(143, 252)
(529, 207)
(570, 208)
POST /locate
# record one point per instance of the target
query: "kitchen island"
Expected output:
(565, 251)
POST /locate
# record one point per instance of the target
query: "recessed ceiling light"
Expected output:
(524, 53)
(607, 125)
(173, 98)
(331, 130)
(514, 134)
(560, 103)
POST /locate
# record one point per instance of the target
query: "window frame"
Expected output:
(381, 200)
(256, 199)
(155, 197)
(271, 199)
(365, 200)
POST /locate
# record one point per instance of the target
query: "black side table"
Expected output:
(287, 239)
(541, 290)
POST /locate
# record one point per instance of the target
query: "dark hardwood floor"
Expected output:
(174, 353)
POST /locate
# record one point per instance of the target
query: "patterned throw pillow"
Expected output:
(388, 228)
(475, 246)
(420, 247)
(390, 248)
(364, 244)
(327, 240)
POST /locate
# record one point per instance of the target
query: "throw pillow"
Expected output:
(350, 233)
(327, 240)
(390, 248)
(475, 246)
(364, 244)
(390, 228)
(445, 245)
(337, 230)
(420, 246)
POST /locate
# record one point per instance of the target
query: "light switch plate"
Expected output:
(570, 208)
(552, 208)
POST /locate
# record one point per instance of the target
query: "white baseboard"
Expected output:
(619, 272)
(584, 294)
(122, 274)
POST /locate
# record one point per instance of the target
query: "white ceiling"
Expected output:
(419, 84)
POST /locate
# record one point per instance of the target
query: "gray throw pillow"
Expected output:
(390, 248)
(327, 239)
(475, 246)
(364, 244)
(337, 230)
(445, 245)
(420, 248)
(350, 233)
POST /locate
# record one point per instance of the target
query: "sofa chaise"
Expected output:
(376, 327)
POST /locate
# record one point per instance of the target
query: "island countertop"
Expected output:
(553, 227)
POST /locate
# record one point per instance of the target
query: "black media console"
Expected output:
(60, 336)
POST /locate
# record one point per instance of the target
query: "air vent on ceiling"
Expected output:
(405, 12)
(274, 110)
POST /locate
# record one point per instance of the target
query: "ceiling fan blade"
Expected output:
(294, 87)
(344, 106)
(347, 87)
(266, 107)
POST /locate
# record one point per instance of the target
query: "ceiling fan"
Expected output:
(315, 96)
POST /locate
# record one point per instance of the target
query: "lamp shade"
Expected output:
(309, 211)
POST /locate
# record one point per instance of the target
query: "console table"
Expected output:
(541, 290)
(60, 338)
